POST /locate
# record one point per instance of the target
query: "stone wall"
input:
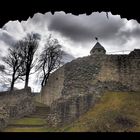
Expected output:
(54, 87)
(4, 115)
(124, 69)
(65, 110)
(82, 75)
(15, 105)
(88, 77)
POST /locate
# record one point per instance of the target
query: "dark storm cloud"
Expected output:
(80, 29)
(70, 28)
(7, 38)
(84, 28)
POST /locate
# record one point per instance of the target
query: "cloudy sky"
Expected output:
(76, 33)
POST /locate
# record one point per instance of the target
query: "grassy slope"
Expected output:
(116, 111)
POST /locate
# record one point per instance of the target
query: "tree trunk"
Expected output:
(12, 86)
(26, 80)
(13, 82)
(44, 81)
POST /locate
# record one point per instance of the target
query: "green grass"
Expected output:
(27, 125)
(116, 112)
(28, 121)
(26, 129)
(30, 129)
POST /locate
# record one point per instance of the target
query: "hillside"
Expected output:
(116, 111)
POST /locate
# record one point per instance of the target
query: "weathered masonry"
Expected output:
(74, 87)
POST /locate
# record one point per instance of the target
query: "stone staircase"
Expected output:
(40, 112)
(32, 123)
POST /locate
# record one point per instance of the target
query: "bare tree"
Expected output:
(50, 59)
(28, 49)
(13, 63)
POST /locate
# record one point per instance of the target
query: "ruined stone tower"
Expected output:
(75, 87)
(98, 49)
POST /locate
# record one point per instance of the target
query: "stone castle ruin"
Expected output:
(14, 105)
(75, 87)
